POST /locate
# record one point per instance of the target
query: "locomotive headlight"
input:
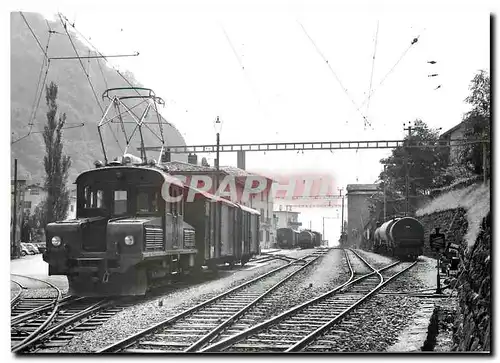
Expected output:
(56, 241)
(129, 240)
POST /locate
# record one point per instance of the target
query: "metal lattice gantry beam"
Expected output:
(314, 145)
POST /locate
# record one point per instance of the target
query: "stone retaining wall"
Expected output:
(473, 323)
(453, 223)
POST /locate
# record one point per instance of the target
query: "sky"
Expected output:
(262, 69)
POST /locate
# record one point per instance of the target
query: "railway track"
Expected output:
(49, 322)
(192, 329)
(302, 326)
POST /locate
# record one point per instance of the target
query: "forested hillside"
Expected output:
(75, 98)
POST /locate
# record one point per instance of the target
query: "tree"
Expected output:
(423, 166)
(477, 124)
(56, 164)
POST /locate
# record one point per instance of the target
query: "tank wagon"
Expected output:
(400, 237)
(306, 239)
(317, 238)
(127, 235)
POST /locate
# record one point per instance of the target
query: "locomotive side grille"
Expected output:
(189, 241)
(154, 239)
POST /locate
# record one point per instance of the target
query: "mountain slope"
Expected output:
(75, 98)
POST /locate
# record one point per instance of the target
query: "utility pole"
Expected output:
(407, 169)
(385, 197)
(13, 251)
(218, 208)
(342, 214)
(484, 163)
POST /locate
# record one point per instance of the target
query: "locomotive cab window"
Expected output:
(93, 198)
(148, 201)
(120, 202)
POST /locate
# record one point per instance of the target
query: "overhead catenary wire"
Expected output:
(81, 63)
(373, 68)
(413, 42)
(64, 24)
(33, 33)
(116, 70)
(334, 74)
(39, 91)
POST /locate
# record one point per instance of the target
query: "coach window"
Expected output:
(120, 202)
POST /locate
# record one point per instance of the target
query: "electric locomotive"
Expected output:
(133, 227)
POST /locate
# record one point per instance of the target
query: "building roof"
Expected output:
(454, 128)
(362, 187)
(233, 170)
(174, 166)
(286, 211)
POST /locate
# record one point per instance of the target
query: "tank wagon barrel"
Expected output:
(400, 237)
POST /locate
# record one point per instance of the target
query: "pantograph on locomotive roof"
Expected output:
(134, 111)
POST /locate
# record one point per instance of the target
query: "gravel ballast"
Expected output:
(372, 329)
(380, 321)
(144, 315)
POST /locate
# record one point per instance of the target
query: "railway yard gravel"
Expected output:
(14, 290)
(373, 328)
(327, 273)
(144, 315)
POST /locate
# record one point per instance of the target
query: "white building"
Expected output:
(287, 218)
(456, 132)
(34, 194)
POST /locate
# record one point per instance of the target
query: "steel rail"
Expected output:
(47, 306)
(213, 333)
(36, 338)
(126, 342)
(34, 334)
(309, 338)
(16, 298)
(16, 320)
(250, 331)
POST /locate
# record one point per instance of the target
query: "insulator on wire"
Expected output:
(414, 40)
(431, 62)
(433, 75)
(438, 87)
